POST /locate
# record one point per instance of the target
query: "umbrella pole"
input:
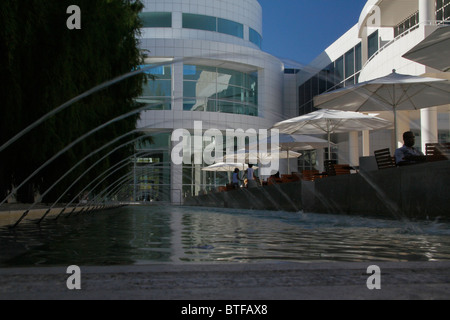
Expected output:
(288, 160)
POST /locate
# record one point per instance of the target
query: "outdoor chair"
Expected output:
(289, 178)
(384, 159)
(310, 175)
(437, 151)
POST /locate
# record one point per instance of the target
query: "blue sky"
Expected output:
(300, 30)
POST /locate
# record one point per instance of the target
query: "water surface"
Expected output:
(165, 234)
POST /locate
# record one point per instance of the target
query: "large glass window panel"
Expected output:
(339, 70)
(230, 93)
(358, 58)
(203, 73)
(233, 90)
(226, 106)
(230, 27)
(157, 88)
(372, 41)
(330, 77)
(189, 88)
(188, 104)
(156, 19)
(349, 63)
(199, 22)
(255, 37)
(322, 81)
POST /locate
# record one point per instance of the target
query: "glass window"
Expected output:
(200, 22)
(230, 27)
(358, 58)
(372, 43)
(157, 88)
(218, 89)
(255, 37)
(156, 19)
(339, 70)
(157, 92)
(231, 77)
(349, 63)
(191, 72)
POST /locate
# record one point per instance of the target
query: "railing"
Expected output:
(440, 23)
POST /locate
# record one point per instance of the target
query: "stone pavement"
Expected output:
(237, 282)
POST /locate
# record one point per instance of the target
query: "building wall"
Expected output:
(398, 28)
(178, 45)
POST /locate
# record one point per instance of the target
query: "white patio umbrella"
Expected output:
(226, 167)
(434, 50)
(390, 93)
(330, 121)
(261, 157)
(296, 142)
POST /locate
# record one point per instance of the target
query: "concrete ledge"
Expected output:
(11, 213)
(265, 281)
(414, 192)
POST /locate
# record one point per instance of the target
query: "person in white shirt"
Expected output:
(251, 182)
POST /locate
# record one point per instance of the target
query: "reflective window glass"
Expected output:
(230, 27)
(372, 42)
(339, 69)
(156, 19)
(349, 63)
(219, 89)
(200, 22)
(358, 58)
(255, 37)
(157, 88)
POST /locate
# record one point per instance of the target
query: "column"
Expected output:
(429, 126)
(427, 11)
(428, 117)
(353, 145)
(365, 143)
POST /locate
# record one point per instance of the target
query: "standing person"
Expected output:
(251, 177)
(235, 180)
(407, 154)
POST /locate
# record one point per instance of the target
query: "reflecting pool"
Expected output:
(165, 234)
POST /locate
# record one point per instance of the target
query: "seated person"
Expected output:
(274, 179)
(407, 154)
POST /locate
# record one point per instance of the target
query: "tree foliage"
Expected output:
(43, 64)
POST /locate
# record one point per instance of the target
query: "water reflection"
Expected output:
(155, 234)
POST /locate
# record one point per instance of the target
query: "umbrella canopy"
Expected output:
(261, 157)
(330, 121)
(226, 167)
(390, 93)
(250, 155)
(434, 51)
(295, 142)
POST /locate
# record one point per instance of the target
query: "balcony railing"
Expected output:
(439, 23)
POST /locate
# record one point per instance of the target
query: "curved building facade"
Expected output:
(379, 42)
(209, 73)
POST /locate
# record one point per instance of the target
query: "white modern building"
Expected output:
(210, 72)
(382, 40)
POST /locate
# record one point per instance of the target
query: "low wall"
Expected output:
(419, 191)
(286, 197)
